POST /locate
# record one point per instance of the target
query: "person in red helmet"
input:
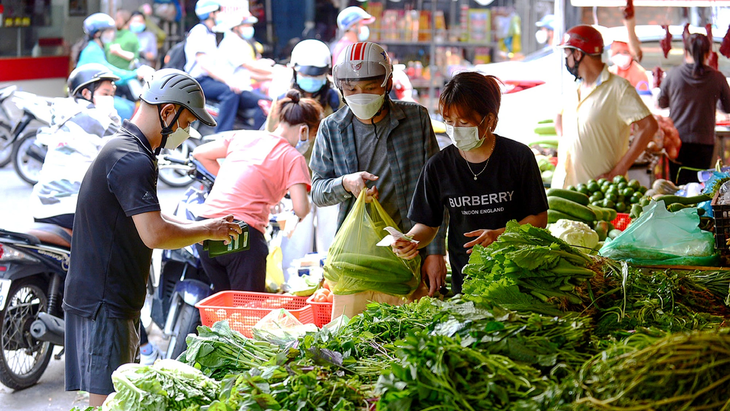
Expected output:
(595, 121)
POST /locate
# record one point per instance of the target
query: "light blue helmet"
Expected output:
(98, 22)
(203, 8)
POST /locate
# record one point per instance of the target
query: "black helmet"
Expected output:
(177, 87)
(85, 75)
(98, 22)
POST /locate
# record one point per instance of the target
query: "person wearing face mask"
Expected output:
(147, 39)
(597, 117)
(237, 53)
(374, 141)
(311, 64)
(259, 169)
(124, 49)
(204, 62)
(545, 31)
(483, 180)
(100, 30)
(352, 23)
(625, 66)
(118, 223)
(81, 126)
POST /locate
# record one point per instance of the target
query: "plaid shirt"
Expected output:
(411, 142)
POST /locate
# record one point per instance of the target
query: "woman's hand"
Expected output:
(483, 238)
(405, 249)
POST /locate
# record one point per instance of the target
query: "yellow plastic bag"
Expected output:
(356, 264)
(274, 272)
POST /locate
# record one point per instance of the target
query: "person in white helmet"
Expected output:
(311, 64)
(374, 144)
(352, 23)
(203, 63)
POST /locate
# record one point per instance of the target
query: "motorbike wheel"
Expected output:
(26, 166)
(188, 320)
(173, 177)
(23, 359)
(6, 149)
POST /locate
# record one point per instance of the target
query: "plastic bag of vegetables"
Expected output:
(356, 264)
(661, 237)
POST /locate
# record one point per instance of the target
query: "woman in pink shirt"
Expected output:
(259, 168)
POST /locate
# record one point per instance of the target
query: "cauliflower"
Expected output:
(575, 233)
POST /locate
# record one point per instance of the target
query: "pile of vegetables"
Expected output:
(541, 325)
(618, 194)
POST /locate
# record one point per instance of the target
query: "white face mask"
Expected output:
(177, 137)
(364, 33)
(364, 106)
(107, 37)
(303, 145)
(105, 104)
(623, 61)
(541, 37)
(247, 32)
(465, 138)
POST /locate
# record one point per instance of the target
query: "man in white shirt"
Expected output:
(203, 64)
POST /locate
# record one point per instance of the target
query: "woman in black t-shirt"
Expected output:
(482, 179)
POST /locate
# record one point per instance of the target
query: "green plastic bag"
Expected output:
(355, 263)
(661, 237)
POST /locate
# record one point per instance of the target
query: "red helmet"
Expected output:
(584, 38)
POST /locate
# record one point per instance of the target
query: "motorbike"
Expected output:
(27, 154)
(33, 268)
(6, 128)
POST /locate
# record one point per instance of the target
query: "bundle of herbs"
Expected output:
(528, 269)
(438, 372)
(219, 350)
(680, 371)
(629, 298)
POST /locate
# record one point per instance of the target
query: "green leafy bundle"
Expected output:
(166, 385)
(437, 372)
(527, 269)
(681, 371)
(219, 350)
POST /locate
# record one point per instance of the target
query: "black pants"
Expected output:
(241, 271)
(691, 155)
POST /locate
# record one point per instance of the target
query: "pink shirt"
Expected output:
(258, 170)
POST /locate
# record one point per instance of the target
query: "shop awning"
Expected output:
(651, 3)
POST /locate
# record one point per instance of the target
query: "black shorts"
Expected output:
(95, 347)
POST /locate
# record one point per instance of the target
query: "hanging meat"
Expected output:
(658, 75)
(712, 60)
(666, 42)
(685, 33)
(629, 9)
(725, 45)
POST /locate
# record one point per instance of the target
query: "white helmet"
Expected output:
(351, 15)
(311, 57)
(362, 61)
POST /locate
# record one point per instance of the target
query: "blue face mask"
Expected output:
(311, 84)
(136, 27)
(247, 32)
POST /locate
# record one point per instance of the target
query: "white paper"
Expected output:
(393, 236)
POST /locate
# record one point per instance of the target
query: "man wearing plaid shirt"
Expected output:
(375, 144)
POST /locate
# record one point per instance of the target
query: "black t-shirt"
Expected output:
(109, 261)
(509, 188)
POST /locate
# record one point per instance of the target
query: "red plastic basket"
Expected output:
(322, 312)
(621, 221)
(244, 309)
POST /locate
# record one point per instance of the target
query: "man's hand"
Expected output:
(223, 229)
(356, 182)
(434, 269)
(483, 238)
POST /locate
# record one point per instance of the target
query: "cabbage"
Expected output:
(575, 233)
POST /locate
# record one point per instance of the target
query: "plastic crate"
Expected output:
(244, 309)
(322, 312)
(621, 221)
